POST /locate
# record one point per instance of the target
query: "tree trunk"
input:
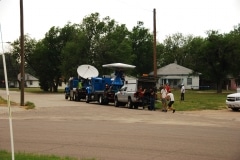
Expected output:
(219, 86)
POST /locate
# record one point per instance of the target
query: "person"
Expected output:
(106, 87)
(170, 96)
(152, 99)
(141, 92)
(161, 87)
(163, 94)
(182, 92)
(168, 87)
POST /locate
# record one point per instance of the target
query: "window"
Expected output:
(189, 81)
(30, 82)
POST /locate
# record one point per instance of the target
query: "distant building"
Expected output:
(30, 81)
(175, 75)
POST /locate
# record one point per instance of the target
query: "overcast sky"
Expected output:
(184, 16)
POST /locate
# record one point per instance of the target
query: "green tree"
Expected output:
(74, 52)
(15, 59)
(176, 48)
(47, 59)
(108, 42)
(142, 46)
(217, 58)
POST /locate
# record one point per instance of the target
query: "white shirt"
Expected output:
(171, 96)
(183, 89)
(164, 93)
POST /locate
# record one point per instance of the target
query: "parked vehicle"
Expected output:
(97, 90)
(76, 89)
(233, 101)
(131, 96)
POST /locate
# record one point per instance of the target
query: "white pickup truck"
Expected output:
(233, 101)
(128, 94)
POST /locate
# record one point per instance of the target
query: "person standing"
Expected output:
(170, 96)
(182, 92)
(163, 98)
(152, 99)
(167, 87)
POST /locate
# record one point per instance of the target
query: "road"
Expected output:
(77, 129)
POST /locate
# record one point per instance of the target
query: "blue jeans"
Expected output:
(152, 103)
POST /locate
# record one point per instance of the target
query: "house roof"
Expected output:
(29, 77)
(173, 69)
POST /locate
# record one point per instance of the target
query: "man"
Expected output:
(167, 87)
(182, 92)
(163, 98)
(152, 99)
(170, 97)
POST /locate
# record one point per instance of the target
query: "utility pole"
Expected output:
(154, 44)
(22, 54)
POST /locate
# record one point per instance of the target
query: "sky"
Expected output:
(193, 17)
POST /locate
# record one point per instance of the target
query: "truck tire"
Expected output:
(130, 104)
(116, 103)
(100, 99)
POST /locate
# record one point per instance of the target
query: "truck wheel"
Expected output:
(130, 104)
(100, 99)
(87, 99)
(116, 103)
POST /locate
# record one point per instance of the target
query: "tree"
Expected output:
(74, 53)
(15, 60)
(47, 59)
(217, 57)
(176, 49)
(142, 46)
(107, 41)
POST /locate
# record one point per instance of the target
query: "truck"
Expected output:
(130, 95)
(97, 90)
(76, 89)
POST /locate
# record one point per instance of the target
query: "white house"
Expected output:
(175, 75)
(30, 81)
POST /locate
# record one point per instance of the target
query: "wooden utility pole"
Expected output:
(22, 54)
(154, 44)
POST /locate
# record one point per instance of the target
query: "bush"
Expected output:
(29, 105)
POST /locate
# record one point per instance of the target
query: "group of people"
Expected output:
(152, 97)
(167, 96)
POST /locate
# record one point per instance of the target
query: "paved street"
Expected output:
(81, 130)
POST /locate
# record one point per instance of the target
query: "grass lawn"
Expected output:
(4, 155)
(198, 100)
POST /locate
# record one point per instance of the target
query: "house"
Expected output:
(175, 75)
(30, 81)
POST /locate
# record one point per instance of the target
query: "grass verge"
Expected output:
(4, 155)
(198, 100)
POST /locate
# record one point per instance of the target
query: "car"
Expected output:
(233, 101)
